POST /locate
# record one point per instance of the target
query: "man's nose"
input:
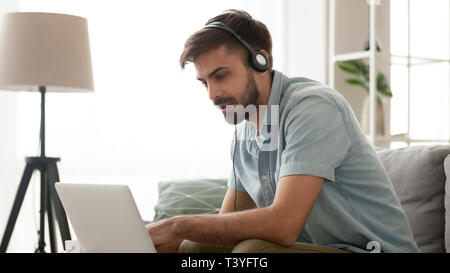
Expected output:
(213, 93)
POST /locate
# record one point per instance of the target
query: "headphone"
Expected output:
(257, 59)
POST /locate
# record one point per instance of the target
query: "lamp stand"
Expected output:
(50, 201)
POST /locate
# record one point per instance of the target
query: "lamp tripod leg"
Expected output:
(51, 226)
(50, 204)
(41, 244)
(59, 210)
(24, 182)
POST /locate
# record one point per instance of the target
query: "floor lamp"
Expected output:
(44, 52)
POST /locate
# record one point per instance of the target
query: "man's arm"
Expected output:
(281, 222)
(243, 201)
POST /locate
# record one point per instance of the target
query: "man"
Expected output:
(304, 181)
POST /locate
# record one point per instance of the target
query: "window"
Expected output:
(420, 71)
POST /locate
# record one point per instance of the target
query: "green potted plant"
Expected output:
(360, 70)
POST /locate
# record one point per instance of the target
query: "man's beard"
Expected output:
(248, 98)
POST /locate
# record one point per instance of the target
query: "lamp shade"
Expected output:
(45, 49)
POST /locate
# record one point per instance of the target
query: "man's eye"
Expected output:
(204, 84)
(220, 77)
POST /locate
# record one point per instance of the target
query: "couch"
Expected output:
(420, 176)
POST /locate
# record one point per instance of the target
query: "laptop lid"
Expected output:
(105, 218)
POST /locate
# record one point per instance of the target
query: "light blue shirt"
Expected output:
(316, 133)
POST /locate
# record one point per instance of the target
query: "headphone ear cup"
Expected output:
(259, 61)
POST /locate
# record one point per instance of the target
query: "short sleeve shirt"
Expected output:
(309, 128)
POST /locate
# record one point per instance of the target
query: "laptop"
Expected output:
(105, 218)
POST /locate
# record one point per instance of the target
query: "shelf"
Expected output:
(413, 60)
(351, 56)
(402, 60)
(371, 54)
(405, 60)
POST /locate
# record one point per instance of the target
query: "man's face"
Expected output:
(227, 79)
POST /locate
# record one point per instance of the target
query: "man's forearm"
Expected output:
(230, 228)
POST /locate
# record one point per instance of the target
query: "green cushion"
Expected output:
(189, 197)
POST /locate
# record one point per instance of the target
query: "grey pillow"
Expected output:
(417, 174)
(447, 203)
(195, 196)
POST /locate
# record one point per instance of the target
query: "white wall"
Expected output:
(307, 39)
(299, 34)
(11, 165)
(8, 102)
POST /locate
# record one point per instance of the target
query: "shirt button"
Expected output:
(264, 177)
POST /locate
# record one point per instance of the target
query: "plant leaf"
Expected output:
(383, 86)
(358, 82)
(361, 70)
(348, 68)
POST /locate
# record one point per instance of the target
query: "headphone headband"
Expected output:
(229, 30)
(257, 59)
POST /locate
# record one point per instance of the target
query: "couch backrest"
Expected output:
(418, 176)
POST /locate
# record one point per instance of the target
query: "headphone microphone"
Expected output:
(234, 173)
(257, 59)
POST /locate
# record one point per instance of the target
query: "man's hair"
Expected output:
(252, 31)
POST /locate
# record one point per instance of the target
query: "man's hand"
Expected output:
(171, 247)
(163, 236)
